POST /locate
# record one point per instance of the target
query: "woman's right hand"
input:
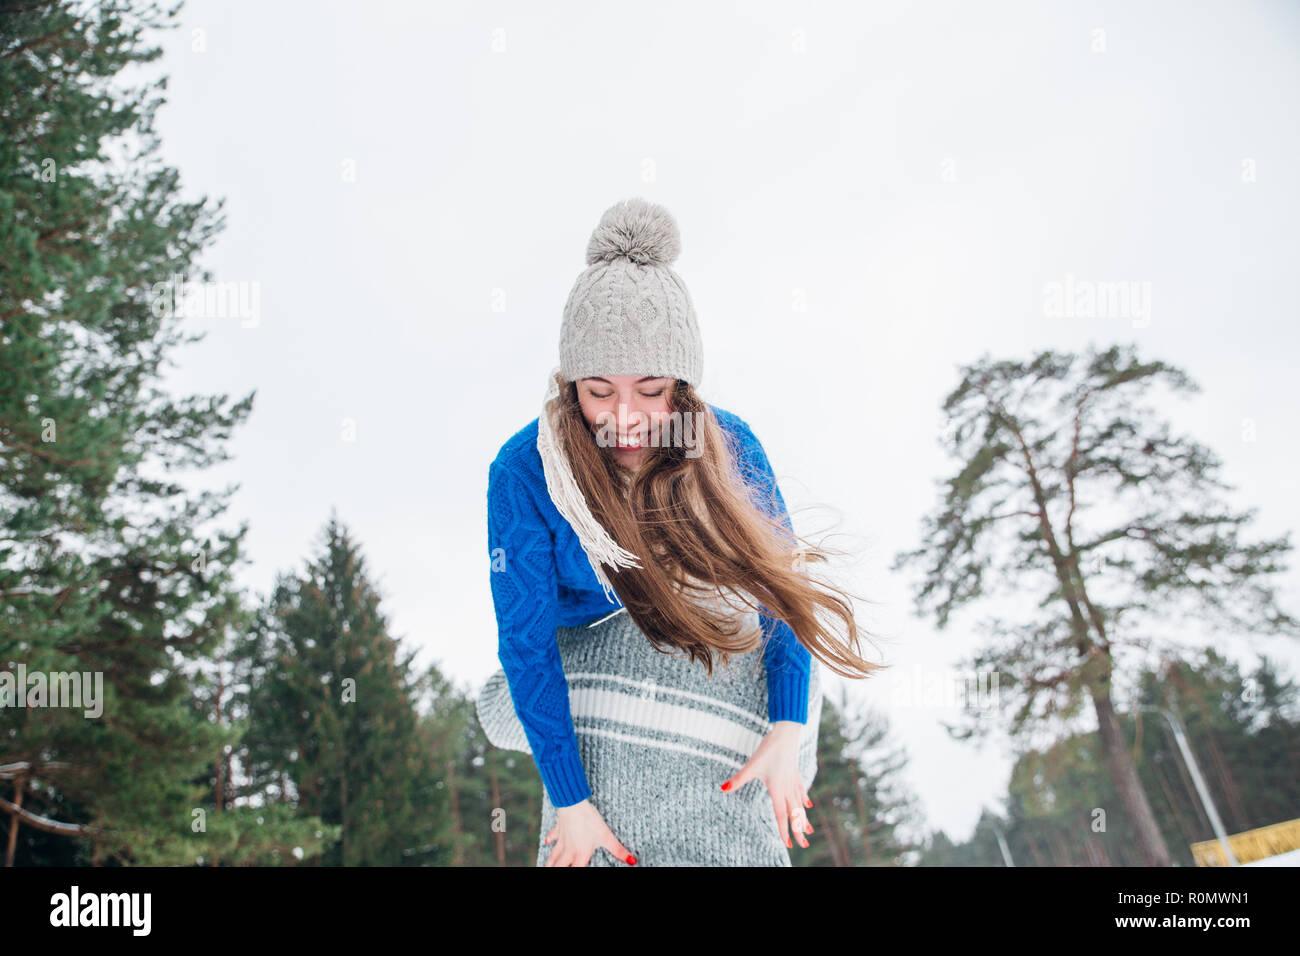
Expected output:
(579, 830)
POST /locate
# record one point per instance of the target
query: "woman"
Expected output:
(679, 729)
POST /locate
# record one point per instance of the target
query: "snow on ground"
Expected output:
(1282, 859)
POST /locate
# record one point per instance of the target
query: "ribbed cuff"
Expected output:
(787, 695)
(564, 778)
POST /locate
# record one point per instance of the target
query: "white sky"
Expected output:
(914, 177)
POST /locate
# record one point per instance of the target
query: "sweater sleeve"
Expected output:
(788, 662)
(525, 593)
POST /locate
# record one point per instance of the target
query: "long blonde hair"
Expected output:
(703, 542)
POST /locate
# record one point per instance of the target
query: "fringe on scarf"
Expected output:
(563, 488)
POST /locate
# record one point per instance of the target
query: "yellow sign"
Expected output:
(1250, 845)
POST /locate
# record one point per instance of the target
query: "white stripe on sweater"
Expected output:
(643, 686)
(676, 719)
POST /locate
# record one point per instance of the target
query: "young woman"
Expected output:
(680, 728)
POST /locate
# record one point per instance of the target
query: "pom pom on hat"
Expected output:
(636, 230)
(629, 313)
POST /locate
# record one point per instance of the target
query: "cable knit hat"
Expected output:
(628, 314)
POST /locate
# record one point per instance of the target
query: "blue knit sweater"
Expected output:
(541, 579)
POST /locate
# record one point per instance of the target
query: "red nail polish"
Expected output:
(631, 859)
(727, 785)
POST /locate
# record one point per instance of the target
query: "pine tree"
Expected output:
(332, 717)
(1104, 524)
(859, 803)
(107, 566)
(1244, 733)
(1243, 730)
(495, 796)
(442, 734)
(242, 828)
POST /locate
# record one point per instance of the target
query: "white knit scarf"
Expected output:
(600, 548)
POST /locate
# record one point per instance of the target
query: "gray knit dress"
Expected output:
(657, 737)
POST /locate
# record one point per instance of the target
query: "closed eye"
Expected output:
(643, 394)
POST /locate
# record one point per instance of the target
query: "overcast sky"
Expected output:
(868, 194)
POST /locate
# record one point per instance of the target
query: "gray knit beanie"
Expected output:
(629, 313)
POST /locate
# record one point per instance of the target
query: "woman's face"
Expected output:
(619, 410)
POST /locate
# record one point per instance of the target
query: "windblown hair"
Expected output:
(704, 543)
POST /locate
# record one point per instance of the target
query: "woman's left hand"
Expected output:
(776, 763)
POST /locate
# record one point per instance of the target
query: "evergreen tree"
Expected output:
(495, 796)
(332, 718)
(1243, 732)
(859, 803)
(939, 850)
(1106, 525)
(441, 730)
(242, 827)
(107, 566)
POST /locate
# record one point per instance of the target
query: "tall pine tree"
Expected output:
(107, 566)
(332, 719)
(1079, 502)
